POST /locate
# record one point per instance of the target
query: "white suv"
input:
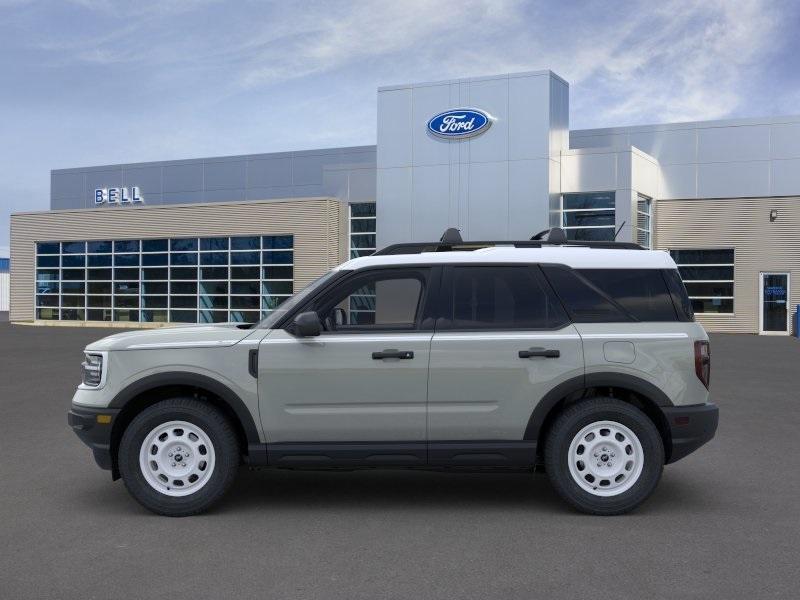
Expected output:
(583, 359)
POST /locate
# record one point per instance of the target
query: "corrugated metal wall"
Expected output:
(319, 226)
(742, 224)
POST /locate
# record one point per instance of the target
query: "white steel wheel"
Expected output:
(177, 458)
(605, 458)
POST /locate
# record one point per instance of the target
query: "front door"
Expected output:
(503, 342)
(774, 302)
(364, 380)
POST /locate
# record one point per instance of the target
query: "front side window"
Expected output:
(588, 217)
(502, 298)
(708, 277)
(380, 300)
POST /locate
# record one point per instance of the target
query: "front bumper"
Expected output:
(93, 426)
(690, 427)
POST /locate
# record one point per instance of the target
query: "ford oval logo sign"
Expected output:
(459, 123)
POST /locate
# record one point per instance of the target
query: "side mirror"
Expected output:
(307, 324)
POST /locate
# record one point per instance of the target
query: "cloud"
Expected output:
(675, 60)
(98, 82)
(322, 39)
(688, 61)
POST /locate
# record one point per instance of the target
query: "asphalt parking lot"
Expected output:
(724, 523)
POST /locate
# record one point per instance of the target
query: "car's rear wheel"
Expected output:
(178, 457)
(604, 456)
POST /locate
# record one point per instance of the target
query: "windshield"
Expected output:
(276, 315)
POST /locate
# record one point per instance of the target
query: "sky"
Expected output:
(94, 82)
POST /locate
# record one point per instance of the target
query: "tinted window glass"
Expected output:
(245, 243)
(96, 247)
(584, 303)
(642, 292)
(716, 256)
(679, 296)
(277, 242)
(381, 300)
(73, 247)
(214, 243)
(73, 261)
(588, 217)
(589, 200)
(126, 246)
(47, 261)
(154, 245)
(502, 298)
(712, 305)
(600, 234)
(47, 247)
(706, 273)
(150, 260)
(183, 245)
(99, 260)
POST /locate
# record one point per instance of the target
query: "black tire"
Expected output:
(226, 456)
(581, 414)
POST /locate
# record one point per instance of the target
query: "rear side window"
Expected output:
(503, 298)
(585, 302)
(641, 292)
(679, 296)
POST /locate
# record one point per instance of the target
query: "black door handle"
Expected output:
(401, 354)
(545, 352)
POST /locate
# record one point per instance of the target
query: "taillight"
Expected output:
(702, 362)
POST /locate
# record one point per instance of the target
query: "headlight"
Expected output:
(92, 369)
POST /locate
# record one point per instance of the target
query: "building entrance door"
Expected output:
(774, 302)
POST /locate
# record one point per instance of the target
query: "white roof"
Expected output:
(577, 257)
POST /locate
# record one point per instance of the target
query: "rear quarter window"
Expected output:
(641, 292)
(680, 297)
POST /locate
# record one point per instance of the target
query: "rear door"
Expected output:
(502, 343)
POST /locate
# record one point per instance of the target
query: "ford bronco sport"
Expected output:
(579, 358)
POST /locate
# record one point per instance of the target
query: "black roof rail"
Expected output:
(451, 241)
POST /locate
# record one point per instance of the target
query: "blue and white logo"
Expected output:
(459, 123)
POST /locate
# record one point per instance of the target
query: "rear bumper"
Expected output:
(94, 432)
(690, 427)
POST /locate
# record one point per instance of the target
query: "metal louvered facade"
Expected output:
(318, 226)
(760, 245)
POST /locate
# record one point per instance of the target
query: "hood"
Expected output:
(190, 336)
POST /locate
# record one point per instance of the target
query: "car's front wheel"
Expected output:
(178, 457)
(604, 456)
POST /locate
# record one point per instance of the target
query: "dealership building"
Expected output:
(229, 238)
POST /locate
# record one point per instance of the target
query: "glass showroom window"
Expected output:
(708, 277)
(181, 280)
(588, 216)
(362, 229)
(644, 221)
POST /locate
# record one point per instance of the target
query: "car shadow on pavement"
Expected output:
(452, 490)
(387, 490)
